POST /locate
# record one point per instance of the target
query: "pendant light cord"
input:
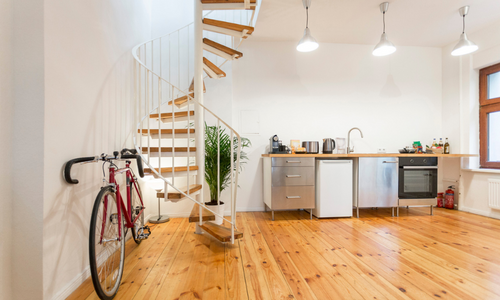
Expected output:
(384, 20)
(307, 17)
(463, 27)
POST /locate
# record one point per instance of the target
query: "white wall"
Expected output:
(6, 110)
(88, 111)
(170, 15)
(461, 115)
(27, 149)
(394, 100)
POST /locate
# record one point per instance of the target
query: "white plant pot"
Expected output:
(218, 209)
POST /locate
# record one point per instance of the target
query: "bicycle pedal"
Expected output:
(143, 235)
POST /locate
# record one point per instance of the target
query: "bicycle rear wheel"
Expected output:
(106, 246)
(136, 206)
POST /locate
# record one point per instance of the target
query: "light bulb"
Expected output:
(384, 47)
(307, 43)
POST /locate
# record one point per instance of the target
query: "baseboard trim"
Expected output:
(73, 285)
(483, 213)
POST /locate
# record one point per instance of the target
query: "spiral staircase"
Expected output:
(169, 86)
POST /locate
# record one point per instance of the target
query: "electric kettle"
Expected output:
(328, 146)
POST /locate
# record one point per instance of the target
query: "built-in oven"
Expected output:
(418, 179)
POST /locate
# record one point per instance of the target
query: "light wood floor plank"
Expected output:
(215, 286)
(460, 282)
(461, 259)
(274, 278)
(295, 279)
(150, 288)
(451, 255)
(236, 285)
(254, 275)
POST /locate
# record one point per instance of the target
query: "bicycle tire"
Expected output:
(134, 199)
(103, 255)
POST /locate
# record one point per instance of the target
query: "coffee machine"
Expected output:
(275, 146)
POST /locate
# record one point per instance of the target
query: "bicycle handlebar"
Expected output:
(70, 163)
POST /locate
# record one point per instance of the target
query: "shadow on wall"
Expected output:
(109, 126)
(390, 89)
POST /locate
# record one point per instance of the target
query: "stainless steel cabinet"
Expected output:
(377, 182)
(289, 183)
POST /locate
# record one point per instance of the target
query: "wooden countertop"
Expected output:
(319, 155)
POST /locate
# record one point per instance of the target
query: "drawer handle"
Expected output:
(293, 176)
(293, 197)
(390, 162)
(293, 161)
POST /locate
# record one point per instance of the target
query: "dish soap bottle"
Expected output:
(446, 147)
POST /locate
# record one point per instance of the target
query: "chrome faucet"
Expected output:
(349, 149)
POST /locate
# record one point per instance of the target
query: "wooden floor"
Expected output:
(451, 255)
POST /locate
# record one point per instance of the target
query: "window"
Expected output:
(489, 117)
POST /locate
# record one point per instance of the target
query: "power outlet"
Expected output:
(381, 150)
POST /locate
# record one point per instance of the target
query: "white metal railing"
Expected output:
(163, 70)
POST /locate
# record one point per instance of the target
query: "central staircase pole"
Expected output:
(198, 95)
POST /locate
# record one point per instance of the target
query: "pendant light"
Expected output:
(307, 43)
(464, 46)
(384, 47)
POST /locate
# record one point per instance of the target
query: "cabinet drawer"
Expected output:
(282, 176)
(293, 162)
(292, 197)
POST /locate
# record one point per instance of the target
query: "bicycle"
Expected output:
(109, 217)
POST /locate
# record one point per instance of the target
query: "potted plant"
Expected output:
(225, 164)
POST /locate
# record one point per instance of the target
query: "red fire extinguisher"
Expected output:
(440, 200)
(449, 198)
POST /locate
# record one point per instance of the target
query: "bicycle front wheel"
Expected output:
(106, 245)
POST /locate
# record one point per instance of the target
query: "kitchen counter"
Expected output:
(319, 155)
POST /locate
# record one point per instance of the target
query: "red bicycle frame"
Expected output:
(121, 206)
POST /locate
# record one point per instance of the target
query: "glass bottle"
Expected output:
(446, 147)
(441, 142)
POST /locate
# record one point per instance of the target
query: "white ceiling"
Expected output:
(432, 23)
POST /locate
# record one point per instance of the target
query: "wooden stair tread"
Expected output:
(222, 48)
(178, 114)
(176, 195)
(214, 68)
(167, 149)
(169, 170)
(181, 100)
(195, 214)
(221, 233)
(191, 86)
(166, 131)
(228, 25)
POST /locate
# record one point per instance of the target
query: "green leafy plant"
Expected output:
(225, 159)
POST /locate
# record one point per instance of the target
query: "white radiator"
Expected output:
(494, 193)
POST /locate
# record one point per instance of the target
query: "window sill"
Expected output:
(495, 171)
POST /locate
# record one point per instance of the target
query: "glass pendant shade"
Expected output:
(307, 43)
(384, 47)
(464, 46)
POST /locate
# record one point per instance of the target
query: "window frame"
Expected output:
(486, 106)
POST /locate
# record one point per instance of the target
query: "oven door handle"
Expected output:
(420, 167)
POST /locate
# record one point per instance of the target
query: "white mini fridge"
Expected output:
(334, 188)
